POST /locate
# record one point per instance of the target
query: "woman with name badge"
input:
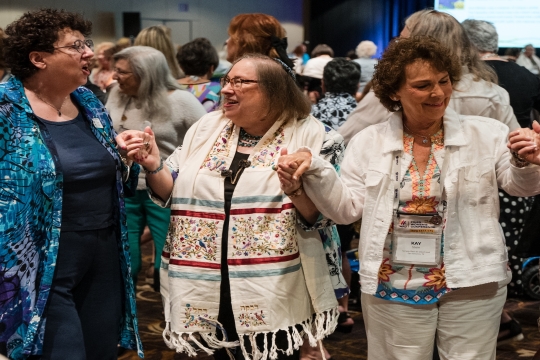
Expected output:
(433, 257)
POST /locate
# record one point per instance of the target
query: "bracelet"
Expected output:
(296, 192)
(160, 167)
(518, 160)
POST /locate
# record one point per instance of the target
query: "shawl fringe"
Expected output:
(314, 329)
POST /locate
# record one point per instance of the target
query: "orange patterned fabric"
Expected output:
(419, 193)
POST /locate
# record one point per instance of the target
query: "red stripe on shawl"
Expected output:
(166, 254)
(262, 210)
(262, 260)
(198, 214)
(195, 264)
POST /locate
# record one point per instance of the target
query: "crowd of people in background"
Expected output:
(139, 139)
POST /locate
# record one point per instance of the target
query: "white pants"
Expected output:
(466, 322)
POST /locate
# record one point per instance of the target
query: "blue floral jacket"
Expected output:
(30, 216)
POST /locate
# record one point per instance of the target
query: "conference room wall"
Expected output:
(209, 18)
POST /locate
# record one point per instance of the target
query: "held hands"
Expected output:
(290, 169)
(526, 143)
(140, 146)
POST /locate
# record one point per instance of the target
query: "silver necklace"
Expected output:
(424, 138)
(51, 105)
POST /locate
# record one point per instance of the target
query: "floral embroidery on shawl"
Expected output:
(215, 159)
(195, 238)
(198, 317)
(266, 156)
(262, 235)
(252, 316)
(270, 149)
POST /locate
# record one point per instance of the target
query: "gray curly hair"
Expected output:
(482, 34)
(366, 49)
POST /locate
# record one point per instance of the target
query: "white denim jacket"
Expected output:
(479, 162)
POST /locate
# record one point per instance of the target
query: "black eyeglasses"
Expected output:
(236, 83)
(79, 45)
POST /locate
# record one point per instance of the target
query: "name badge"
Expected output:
(416, 239)
(422, 250)
(97, 123)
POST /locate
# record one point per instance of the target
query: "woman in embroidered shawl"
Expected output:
(263, 34)
(65, 284)
(233, 227)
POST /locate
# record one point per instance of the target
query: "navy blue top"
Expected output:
(89, 173)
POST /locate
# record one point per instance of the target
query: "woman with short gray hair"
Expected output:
(365, 51)
(148, 95)
(522, 86)
(483, 35)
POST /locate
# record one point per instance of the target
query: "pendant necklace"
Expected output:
(424, 138)
(51, 105)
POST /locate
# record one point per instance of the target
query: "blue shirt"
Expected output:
(31, 196)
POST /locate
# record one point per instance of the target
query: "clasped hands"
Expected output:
(139, 146)
(526, 143)
(290, 168)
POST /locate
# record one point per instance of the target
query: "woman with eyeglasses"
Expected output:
(65, 284)
(148, 95)
(234, 229)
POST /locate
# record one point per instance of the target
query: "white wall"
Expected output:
(210, 18)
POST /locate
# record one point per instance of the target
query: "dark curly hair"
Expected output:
(38, 31)
(341, 76)
(389, 73)
(197, 56)
(2, 61)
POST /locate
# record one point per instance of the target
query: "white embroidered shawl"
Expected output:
(278, 272)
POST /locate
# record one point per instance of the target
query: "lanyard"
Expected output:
(396, 178)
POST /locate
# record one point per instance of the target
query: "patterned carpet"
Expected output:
(341, 346)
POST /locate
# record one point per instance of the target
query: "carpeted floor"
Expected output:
(341, 346)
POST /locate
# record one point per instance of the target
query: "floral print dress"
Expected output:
(418, 194)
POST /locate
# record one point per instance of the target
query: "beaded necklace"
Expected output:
(247, 140)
